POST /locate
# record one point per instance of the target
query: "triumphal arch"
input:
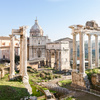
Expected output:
(80, 79)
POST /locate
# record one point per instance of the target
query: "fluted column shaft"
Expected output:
(74, 53)
(82, 54)
(89, 52)
(96, 51)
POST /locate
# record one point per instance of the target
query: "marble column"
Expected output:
(55, 59)
(96, 51)
(89, 52)
(46, 58)
(74, 53)
(12, 57)
(82, 54)
(21, 55)
(59, 64)
(49, 58)
(25, 75)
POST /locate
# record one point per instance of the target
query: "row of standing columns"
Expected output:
(82, 52)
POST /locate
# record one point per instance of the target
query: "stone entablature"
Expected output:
(58, 45)
(91, 25)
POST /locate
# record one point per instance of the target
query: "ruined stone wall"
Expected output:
(95, 79)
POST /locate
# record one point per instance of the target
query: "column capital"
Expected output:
(74, 33)
(89, 35)
(81, 32)
(95, 35)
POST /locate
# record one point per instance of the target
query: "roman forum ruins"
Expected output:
(23, 53)
(91, 28)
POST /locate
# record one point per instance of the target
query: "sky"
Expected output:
(54, 16)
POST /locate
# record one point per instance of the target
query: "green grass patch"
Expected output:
(35, 91)
(70, 98)
(11, 90)
(65, 82)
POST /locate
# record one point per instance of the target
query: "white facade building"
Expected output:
(37, 42)
(58, 54)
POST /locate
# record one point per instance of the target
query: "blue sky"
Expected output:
(54, 16)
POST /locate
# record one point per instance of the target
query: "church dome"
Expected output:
(36, 30)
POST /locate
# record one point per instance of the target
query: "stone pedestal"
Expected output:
(80, 81)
